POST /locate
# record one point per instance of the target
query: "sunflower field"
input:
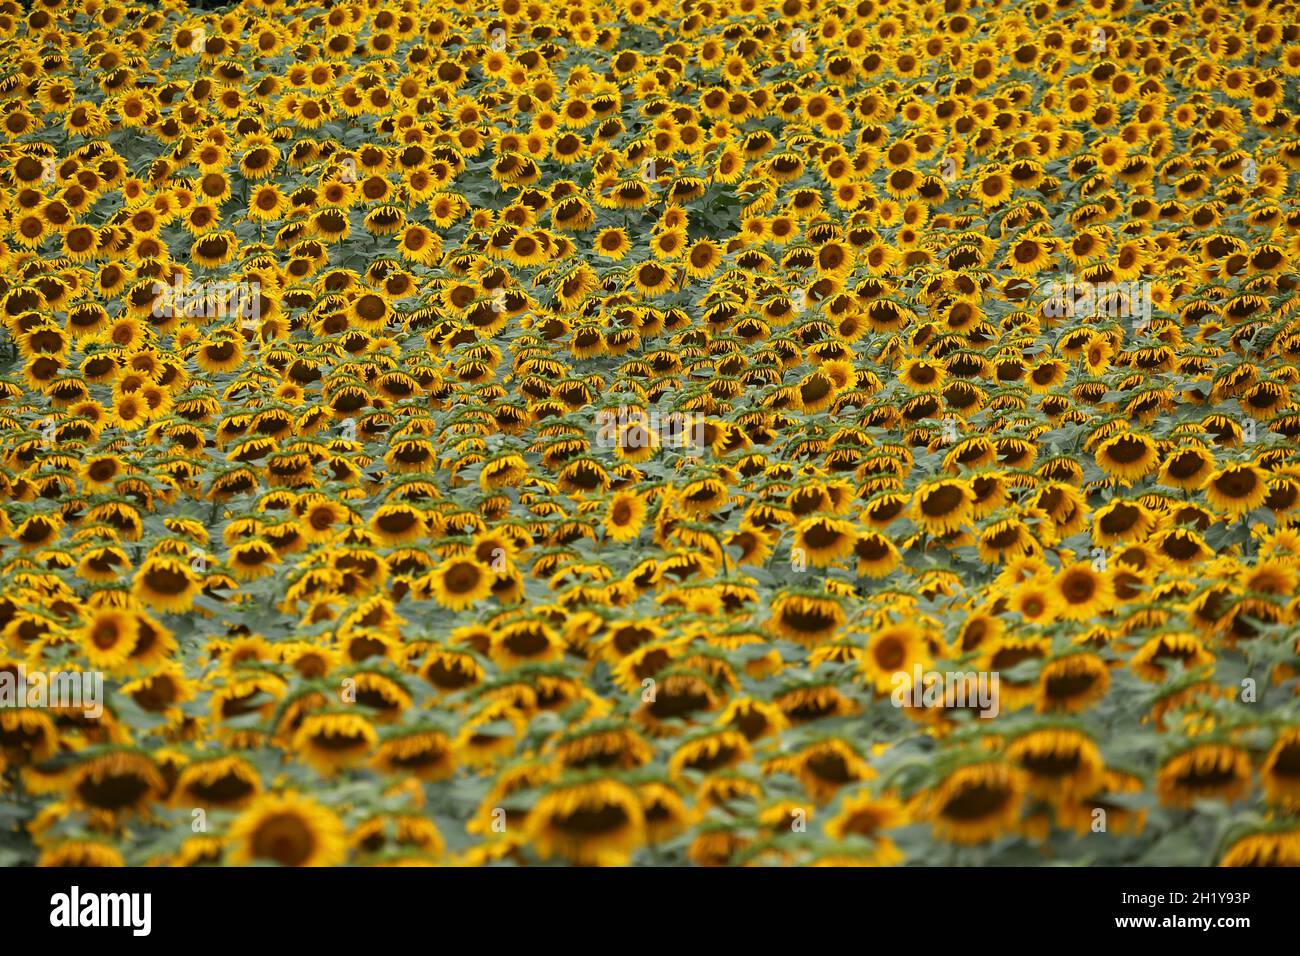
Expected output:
(638, 432)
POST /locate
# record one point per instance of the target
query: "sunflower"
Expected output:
(1083, 593)
(827, 766)
(287, 830)
(214, 249)
(330, 742)
(709, 753)
(165, 584)
(1152, 660)
(449, 671)
(754, 718)
(596, 823)
(267, 203)
(1059, 764)
(321, 518)
(80, 853)
(426, 754)
(118, 781)
(1180, 546)
(612, 243)
(941, 507)
(525, 642)
(703, 258)
(877, 555)
(635, 441)
(399, 833)
(1280, 772)
(228, 783)
(38, 531)
(458, 583)
(219, 354)
(625, 516)
(922, 375)
(1188, 468)
(252, 560)
(665, 812)
(975, 803)
(894, 651)
(418, 244)
(805, 618)
(1206, 771)
(1237, 489)
(824, 540)
(162, 690)
(603, 745)
(27, 734)
(809, 702)
(994, 187)
(1038, 602)
(1081, 814)
(862, 815)
(1276, 846)
(816, 391)
(1072, 683)
(1006, 653)
(1004, 540)
(397, 524)
(1121, 521)
(502, 472)
(108, 638)
(1128, 456)
(652, 279)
